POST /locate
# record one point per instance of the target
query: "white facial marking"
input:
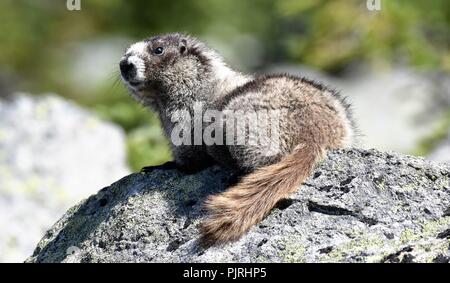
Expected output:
(137, 48)
(140, 67)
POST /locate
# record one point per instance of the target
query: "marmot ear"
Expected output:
(183, 46)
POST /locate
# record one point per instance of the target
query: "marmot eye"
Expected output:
(159, 50)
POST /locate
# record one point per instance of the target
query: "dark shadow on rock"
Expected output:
(81, 221)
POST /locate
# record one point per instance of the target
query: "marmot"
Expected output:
(173, 72)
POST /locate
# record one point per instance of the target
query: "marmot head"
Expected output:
(166, 62)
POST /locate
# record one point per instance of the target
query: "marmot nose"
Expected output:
(127, 69)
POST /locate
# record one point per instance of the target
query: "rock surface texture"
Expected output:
(52, 154)
(358, 206)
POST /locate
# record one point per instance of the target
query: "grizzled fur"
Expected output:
(316, 120)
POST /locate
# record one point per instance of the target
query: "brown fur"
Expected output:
(318, 119)
(235, 211)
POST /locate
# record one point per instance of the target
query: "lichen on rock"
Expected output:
(358, 206)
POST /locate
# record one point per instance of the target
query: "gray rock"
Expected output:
(52, 154)
(358, 206)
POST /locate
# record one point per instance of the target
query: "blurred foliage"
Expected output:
(327, 34)
(428, 143)
(332, 34)
(148, 142)
(39, 43)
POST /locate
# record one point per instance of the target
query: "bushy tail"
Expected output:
(235, 211)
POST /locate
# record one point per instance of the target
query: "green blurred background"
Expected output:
(46, 48)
